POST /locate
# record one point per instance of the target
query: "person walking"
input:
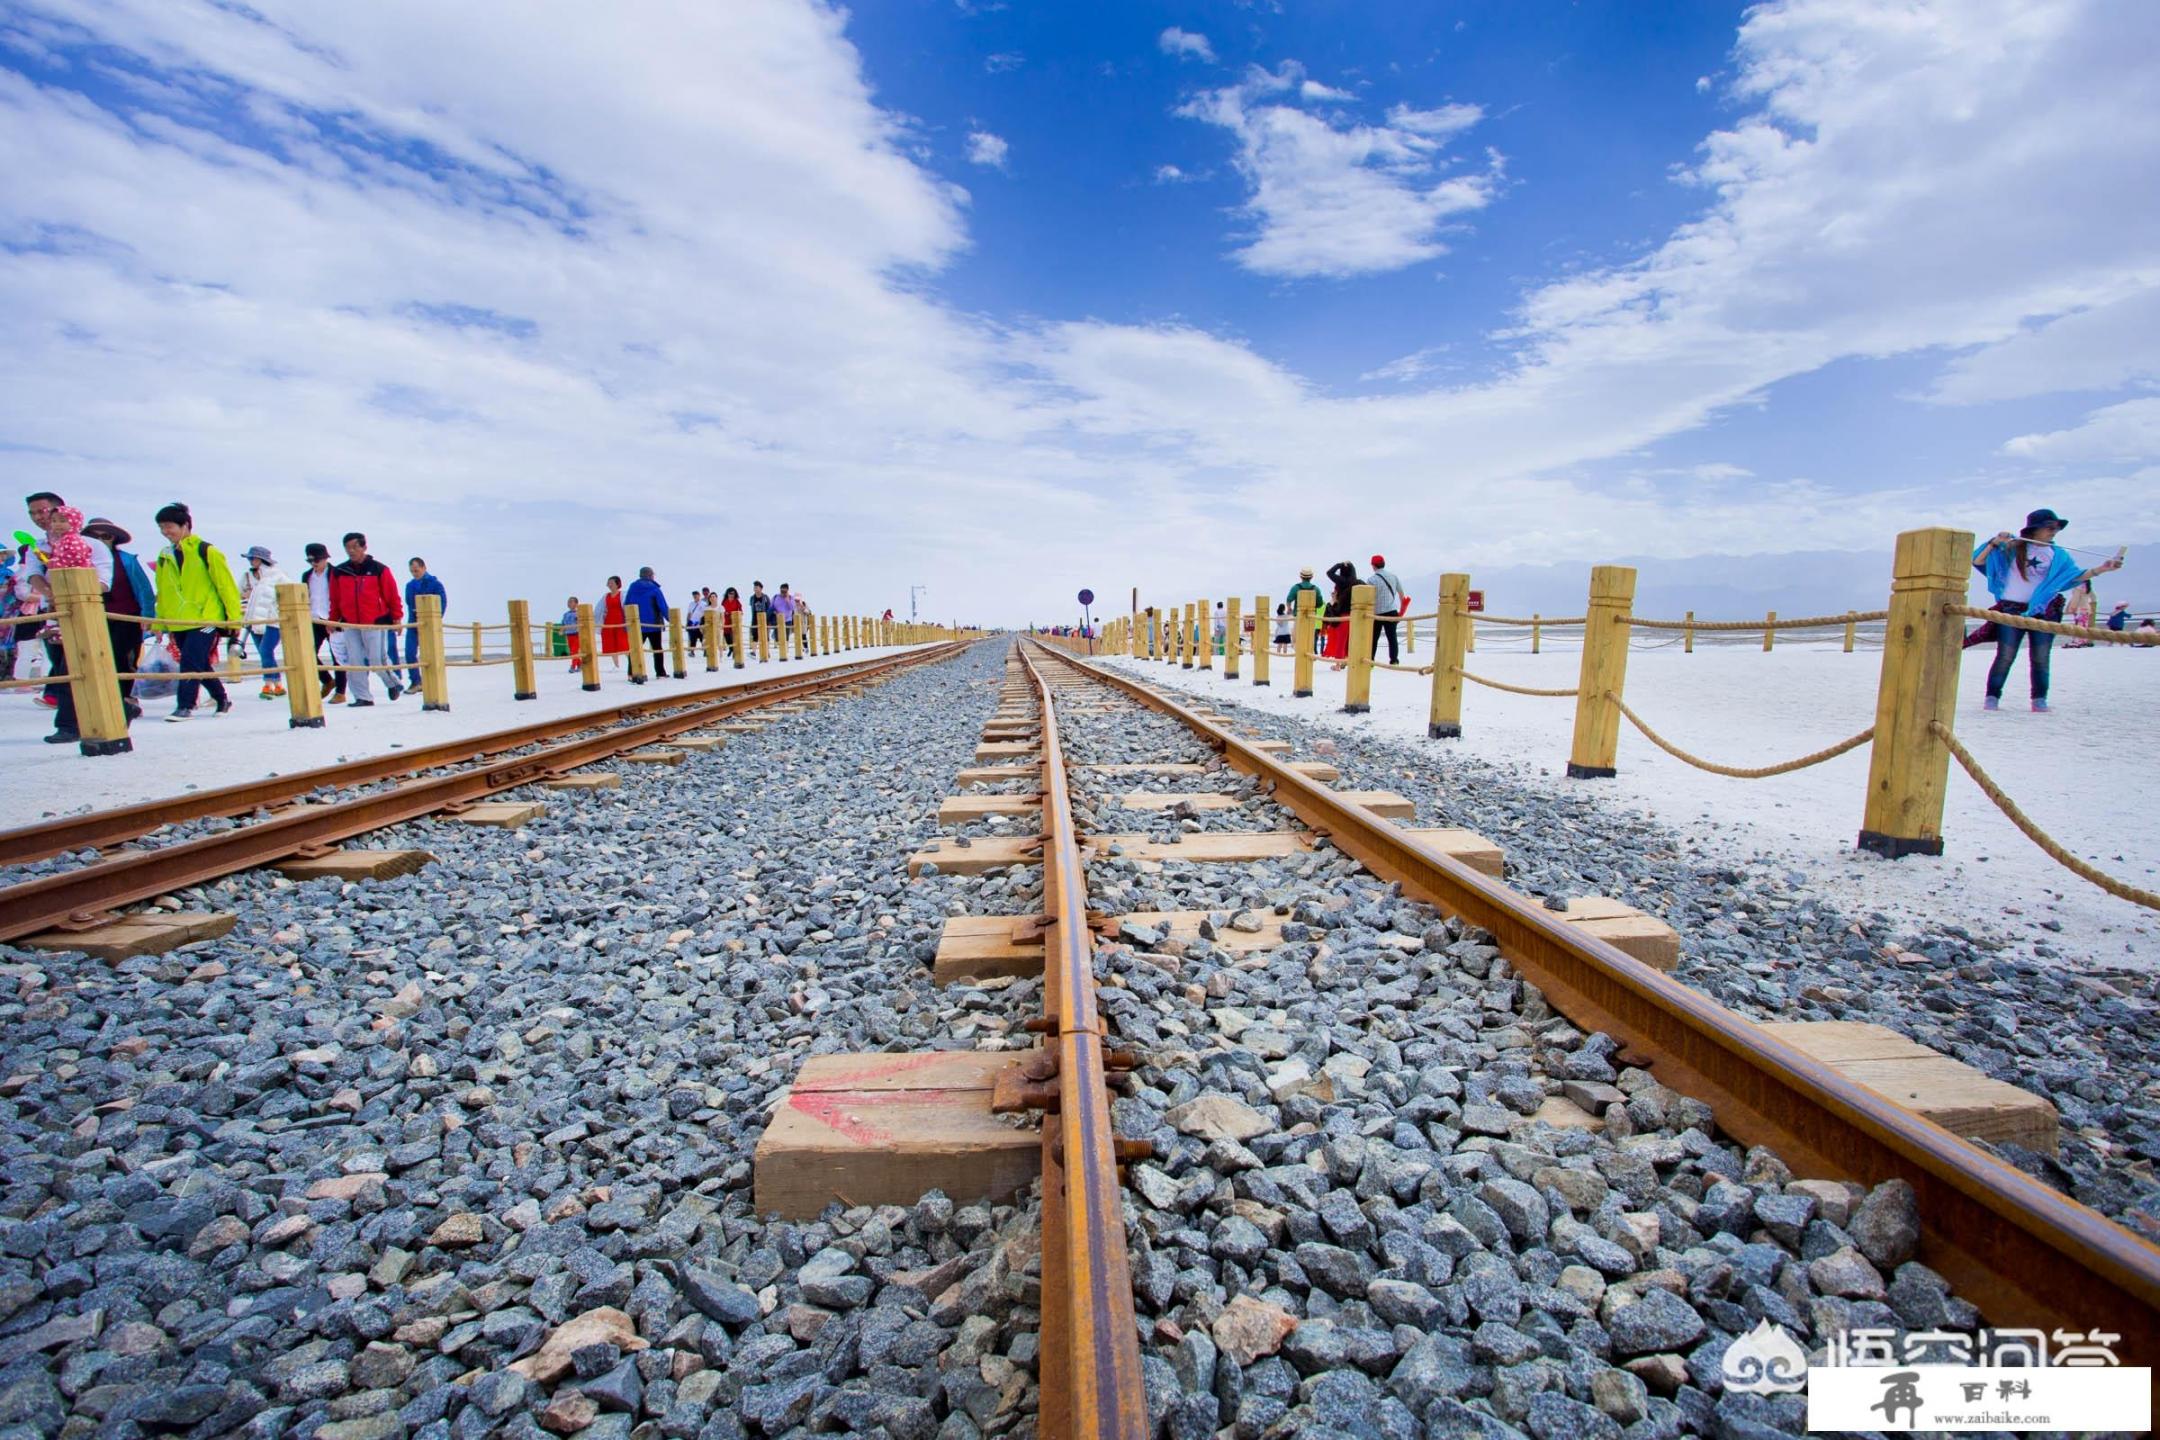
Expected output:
(197, 599)
(36, 594)
(1305, 586)
(317, 578)
(700, 602)
(573, 637)
(259, 607)
(783, 615)
(1387, 608)
(421, 583)
(131, 593)
(652, 608)
(730, 613)
(614, 628)
(2028, 574)
(1344, 577)
(363, 592)
(760, 610)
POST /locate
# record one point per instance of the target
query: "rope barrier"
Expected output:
(1803, 622)
(1532, 620)
(1737, 772)
(2034, 833)
(1516, 689)
(2051, 627)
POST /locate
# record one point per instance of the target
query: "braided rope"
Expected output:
(1517, 689)
(2051, 627)
(1802, 622)
(1532, 620)
(1737, 772)
(2033, 832)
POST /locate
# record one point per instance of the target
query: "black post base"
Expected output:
(1590, 772)
(589, 687)
(1260, 682)
(639, 679)
(1897, 847)
(314, 724)
(445, 705)
(741, 667)
(106, 747)
(1355, 709)
(517, 695)
(1438, 730)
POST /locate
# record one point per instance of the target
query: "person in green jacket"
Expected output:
(1305, 584)
(196, 594)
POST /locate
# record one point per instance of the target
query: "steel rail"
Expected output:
(2026, 1255)
(1091, 1382)
(80, 896)
(102, 828)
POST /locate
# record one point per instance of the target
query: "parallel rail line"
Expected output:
(2025, 1254)
(88, 894)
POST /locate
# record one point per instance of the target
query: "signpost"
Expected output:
(1087, 622)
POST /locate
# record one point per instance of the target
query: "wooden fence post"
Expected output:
(1604, 668)
(523, 684)
(1409, 631)
(1850, 627)
(634, 623)
(434, 669)
(1769, 633)
(1207, 635)
(709, 636)
(737, 630)
(1233, 636)
(1183, 619)
(801, 622)
(1445, 722)
(476, 642)
(1687, 640)
(1263, 638)
(1301, 646)
(764, 630)
(79, 605)
(303, 682)
(588, 648)
(1909, 767)
(1536, 632)
(1357, 693)
(678, 645)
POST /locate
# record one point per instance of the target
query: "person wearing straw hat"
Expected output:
(2028, 574)
(1305, 586)
(259, 606)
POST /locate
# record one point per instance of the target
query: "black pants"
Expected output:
(1386, 627)
(195, 648)
(658, 640)
(332, 682)
(127, 639)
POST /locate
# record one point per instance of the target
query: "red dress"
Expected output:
(1336, 638)
(614, 626)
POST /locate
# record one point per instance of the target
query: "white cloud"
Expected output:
(1170, 175)
(1332, 197)
(1003, 61)
(2114, 342)
(1406, 369)
(1185, 43)
(2124, 433)
(984, 148)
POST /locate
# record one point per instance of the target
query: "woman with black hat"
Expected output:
(2028, 574)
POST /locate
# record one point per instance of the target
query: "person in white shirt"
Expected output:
(1386, 608)
(259, 607)
(318, 589)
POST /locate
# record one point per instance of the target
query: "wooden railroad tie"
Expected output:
(959, 809)
(655, 755)
(596, 780)
(992, 750)
(355, 864)
(148, 932)
(1625, 928)
(698, 744)
(882, 1129)
(979, 947)
(505, 814)
(1931, 1085)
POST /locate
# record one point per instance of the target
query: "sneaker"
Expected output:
(177, 716)
(396, 690)
(333, 699)
(132, 710)
(48, 702)
(267, 693)
(2040, 707)
(224, 707)
(1993, 702)
(62, 737)
(360, 704)
(278, 690)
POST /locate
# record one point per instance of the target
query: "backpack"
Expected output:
(138, 581)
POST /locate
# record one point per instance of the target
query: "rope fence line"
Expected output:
(1802, 622)
(1741, 772)
(2047, 843)
(2053, 627)
(1481, 619)
(1493, 684)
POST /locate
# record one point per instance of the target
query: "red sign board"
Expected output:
(1477, 602)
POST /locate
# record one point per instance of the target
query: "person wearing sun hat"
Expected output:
(259, 607)
(2028, 574)
(1304, 585)
(1387, 608)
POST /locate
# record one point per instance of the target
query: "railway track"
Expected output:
(89, 895)
(2025, 1255)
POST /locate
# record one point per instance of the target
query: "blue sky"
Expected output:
(1010, 299)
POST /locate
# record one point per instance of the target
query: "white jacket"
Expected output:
(258, 596)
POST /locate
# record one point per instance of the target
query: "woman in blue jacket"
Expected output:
(2028, 574)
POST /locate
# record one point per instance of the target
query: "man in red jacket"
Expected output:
(364, 592)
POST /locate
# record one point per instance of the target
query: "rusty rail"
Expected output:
(101, 828)
(1091, 1385)
(2025, 1254)
(85, 895)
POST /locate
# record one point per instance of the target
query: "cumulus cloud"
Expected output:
(2127, 432)
(984, 148)
(1330, 196)
(1185, 44)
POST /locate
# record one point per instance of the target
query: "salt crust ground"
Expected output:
(2081, 772)
(255, 741)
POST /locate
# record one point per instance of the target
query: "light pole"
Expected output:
(912, 592)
